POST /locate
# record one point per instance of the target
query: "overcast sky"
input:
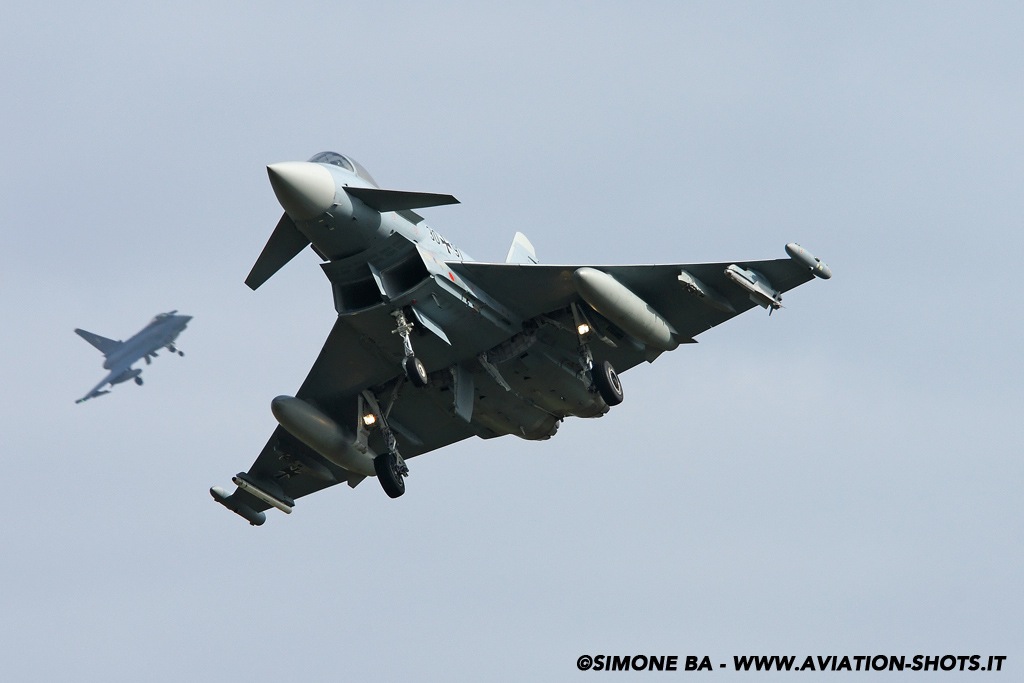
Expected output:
(843, 478)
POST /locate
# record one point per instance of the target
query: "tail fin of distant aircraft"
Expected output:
(105, 346)
(521, 250)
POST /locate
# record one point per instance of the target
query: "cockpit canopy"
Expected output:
(344, 162)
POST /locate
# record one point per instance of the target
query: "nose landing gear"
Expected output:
(415, 371)
(413, 366)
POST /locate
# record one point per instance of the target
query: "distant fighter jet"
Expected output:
(430, 348)
(121, 355)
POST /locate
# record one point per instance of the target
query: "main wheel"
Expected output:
(386, 467)
(415, 371)
(138, 380)
(607, 382)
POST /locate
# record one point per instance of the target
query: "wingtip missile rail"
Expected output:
(277, 500)
(802, 256)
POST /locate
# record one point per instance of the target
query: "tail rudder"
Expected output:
(521, 250)
(105, 346)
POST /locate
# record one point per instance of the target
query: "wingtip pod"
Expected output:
(241, 509)
(804, 257)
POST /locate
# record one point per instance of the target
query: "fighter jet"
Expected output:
(121, 355)
(430, 347)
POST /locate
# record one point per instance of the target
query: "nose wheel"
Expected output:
(413, 366)
(415, 371)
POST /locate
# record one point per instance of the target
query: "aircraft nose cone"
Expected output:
(304, 190)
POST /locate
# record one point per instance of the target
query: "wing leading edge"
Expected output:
(533, 290)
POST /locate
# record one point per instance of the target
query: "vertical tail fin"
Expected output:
(105, 346)
(521, 250)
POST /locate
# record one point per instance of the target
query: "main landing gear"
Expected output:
(389, 467)
(606, 380)
(602, 375)
(413, 366)
(391, 472)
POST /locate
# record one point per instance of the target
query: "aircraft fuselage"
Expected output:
(159, 333)
(380, 261)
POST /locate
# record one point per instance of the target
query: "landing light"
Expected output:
(583, 329)
(369, 419)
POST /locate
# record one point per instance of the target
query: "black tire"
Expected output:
(415, 371)
(607, 382)
(138, 380)
(391, 481)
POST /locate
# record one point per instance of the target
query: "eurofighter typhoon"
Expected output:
(431, 347)
(119, 356)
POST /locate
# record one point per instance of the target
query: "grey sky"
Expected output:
(842, 478)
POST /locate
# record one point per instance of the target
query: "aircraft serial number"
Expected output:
(439, 239)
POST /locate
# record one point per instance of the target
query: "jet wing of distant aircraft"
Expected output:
(119, 356)
(430, 347)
